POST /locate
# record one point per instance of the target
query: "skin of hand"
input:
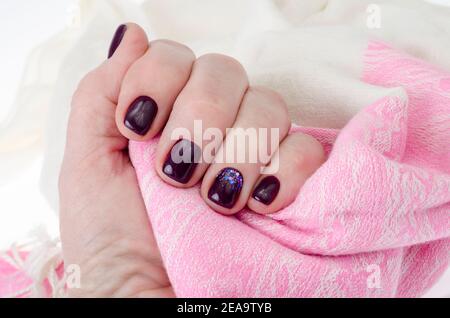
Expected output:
(104, 225)
(103, 222)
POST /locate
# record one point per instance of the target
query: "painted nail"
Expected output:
(118, 36)
(182, 160)
(267, 190)
(226, 188)
(140, 115)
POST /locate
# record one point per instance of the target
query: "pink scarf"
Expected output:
(373, 221)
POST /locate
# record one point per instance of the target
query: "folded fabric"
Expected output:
(373, 221)
(387, 228)
(34, 269)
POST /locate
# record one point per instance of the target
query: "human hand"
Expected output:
(134, 95)
(103, 221)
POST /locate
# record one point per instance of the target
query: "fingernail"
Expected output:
(140, 115)
(267, 190)
(118, 36)
(182, 160)
(226, 188)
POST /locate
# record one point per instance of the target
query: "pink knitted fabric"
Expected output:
(373, 221)
(14, 282)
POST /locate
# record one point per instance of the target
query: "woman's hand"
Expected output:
(104, 224)
(143, 90)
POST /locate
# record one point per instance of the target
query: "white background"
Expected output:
(23, 25)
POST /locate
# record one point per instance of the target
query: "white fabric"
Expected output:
(310, 51)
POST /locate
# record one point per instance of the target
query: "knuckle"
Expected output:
(267, 93)
(273, 109)
(207, 105)
(179, 47)
(227, 62)
(304, 151)
(207, 102)
(173, 59)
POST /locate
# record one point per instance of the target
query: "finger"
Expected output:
(298, 156)
(261, 123)
(130, 43)
(95, 100)
(150, 88)
(210, 100)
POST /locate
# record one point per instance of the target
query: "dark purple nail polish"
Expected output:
(118, 36)
(141, 114)
(182, 160)
(267, 190)
(226, 188)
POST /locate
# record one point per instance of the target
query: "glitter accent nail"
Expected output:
(226, 188)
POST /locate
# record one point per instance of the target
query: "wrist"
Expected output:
(121, 269)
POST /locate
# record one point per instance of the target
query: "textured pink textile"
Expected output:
(14, 282)
(378, 208)
(379, 205)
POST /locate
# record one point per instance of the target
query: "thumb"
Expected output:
(91, 123)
